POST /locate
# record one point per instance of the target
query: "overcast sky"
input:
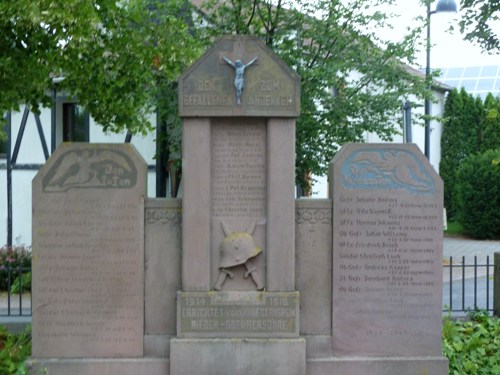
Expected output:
(448, 50)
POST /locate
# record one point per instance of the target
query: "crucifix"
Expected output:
(239, 79)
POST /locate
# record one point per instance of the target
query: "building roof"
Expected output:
(438, 85)
(476, 80)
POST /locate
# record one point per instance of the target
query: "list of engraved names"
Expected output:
(385, 260)
(239, 168)
(89, 261)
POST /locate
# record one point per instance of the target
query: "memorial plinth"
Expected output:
(88, 274)
(88, 262)
(238, 103)
(387, 252)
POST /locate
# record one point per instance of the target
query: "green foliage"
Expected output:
(21, 284)
(14, 349)
(464, 118)
(477, 195)
(454, 229)
(12, 258)
(472, 346)
(352, 81)
(471, 116)
(479, 17)
(451, 147)
(491, 124)
(112, 55)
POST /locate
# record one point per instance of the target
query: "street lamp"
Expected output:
(442, 6)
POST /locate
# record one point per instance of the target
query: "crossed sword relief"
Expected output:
(237, 248)
(239, 78)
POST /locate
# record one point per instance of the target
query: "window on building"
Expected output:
(75, 123)
(3, 141)
(3, 148)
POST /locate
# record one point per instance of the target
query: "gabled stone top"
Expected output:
(239, 76)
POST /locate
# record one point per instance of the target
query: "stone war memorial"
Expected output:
(238, 277)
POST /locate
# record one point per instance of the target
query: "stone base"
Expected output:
(377, 366)
(157, 346)
(238, 356)
(77, 366)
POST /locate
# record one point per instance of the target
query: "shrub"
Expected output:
(12, 258)
(472, 346)
(23, 282)
(14, 349)
(477, 194)
(461, 131)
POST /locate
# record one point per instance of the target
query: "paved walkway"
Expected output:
(458, 247)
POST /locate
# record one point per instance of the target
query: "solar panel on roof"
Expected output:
(489, 71)
(485, 84)
(476, 80)
(452, 82)
(472, 71)
(468, 84)
(454, 73)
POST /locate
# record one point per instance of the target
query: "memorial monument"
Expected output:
(238, 103)
(238, 277)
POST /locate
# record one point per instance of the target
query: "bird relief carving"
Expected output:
(386, 169)
(90, 168)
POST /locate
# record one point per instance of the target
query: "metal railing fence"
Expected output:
(467, 286)
(15, 300)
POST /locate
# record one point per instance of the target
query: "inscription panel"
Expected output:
(238, 314)
(387, 254)
(239, 168)
(88, 274)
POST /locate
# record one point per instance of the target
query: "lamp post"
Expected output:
(442, 6)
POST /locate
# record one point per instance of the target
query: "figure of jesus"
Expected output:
(239, 80)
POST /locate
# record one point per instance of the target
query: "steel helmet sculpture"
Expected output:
(237, 249)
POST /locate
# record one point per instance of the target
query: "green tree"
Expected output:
(477, 20)
(477, 195)
(461, 138)
(112, 55)
(470, 127)
(350, 85)
(491, 127)
(451, 147)
(472, 114)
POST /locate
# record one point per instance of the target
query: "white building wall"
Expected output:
(21, 207)
(30, 151)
